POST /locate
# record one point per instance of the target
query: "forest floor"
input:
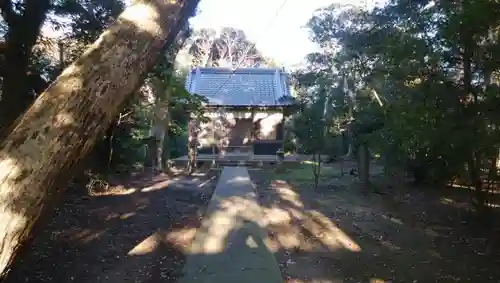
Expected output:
(339, 232)
(343, 232)
(136, 233)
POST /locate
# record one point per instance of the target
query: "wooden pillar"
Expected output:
(213, 120)
(283, 130)
(252, 134)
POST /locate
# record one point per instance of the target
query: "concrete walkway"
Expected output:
(229, 247)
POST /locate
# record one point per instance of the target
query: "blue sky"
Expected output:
(286, 40)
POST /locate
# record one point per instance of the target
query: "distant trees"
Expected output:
(421, 78)
(225, 48)
(312, 126)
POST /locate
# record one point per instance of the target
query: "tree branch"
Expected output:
(90, 14)
(8, 13)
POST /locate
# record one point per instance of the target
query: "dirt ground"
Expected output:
(342, 233)
(136, 234)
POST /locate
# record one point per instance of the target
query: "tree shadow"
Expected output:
(89, 239)
(389, 246)
(145, 237)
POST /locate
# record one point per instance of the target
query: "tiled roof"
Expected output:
(241, 87)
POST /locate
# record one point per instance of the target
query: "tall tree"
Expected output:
(164, 84)
(226, 48)
(435, 66)
(88, 17)
(24, 47)
(232, 48)
(201, 46)
(63, 124)
(23, 22)
(312, 125)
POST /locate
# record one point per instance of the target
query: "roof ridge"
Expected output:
(238, 70)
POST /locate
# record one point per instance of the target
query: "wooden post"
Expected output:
(283, 132)
(213, 144)
(252, 135)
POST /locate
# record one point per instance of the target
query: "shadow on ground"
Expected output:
(119, 238)
(335, 234)
(340, 233)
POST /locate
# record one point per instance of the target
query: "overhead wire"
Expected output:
(252, 46)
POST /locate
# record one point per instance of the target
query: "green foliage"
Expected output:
(82, 21)
(309, 128)
(301, 175)
(416, 80)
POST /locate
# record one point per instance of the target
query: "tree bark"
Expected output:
(166, 138)
(316, 168)
(158, 127)
(193, 132)
(38, 157)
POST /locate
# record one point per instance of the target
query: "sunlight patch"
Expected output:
(148, 245)
(215, 232)
(127, 215)
(138, 12)
(239, 180)
(93, 236)
(181, 238)
(447, 201)
(156, 187)
(286, 193)
(275, 216)
(206, 182)
(8, 169)
(393, 219)
(113, 191)
(64, 119)
(250, 242)
(333, 236)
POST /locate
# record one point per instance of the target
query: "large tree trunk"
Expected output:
(39, 155)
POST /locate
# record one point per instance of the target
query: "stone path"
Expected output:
(230, 245)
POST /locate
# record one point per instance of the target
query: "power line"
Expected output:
(271, 21)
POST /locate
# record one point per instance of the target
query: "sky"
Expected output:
(286, 40)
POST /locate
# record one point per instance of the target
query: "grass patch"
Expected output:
(302, 173)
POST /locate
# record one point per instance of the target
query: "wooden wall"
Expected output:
(229, 128)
